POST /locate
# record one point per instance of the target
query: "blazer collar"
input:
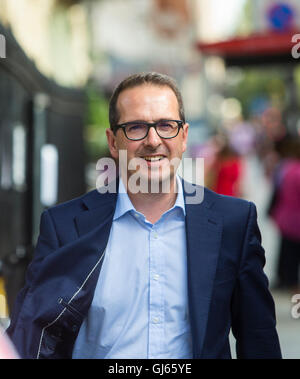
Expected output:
(100, 210)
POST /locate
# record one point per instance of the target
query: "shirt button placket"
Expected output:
(156, 298)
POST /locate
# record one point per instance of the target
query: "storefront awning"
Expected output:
(265, 47)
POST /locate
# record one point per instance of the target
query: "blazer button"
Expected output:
(74, 328)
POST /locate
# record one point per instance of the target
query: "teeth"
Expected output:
(154, 159)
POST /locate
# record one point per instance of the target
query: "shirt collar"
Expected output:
(125, 205)
(179, 203)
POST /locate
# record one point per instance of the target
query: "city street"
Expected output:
(287, 326)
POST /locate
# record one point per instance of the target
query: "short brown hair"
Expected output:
(138, 80)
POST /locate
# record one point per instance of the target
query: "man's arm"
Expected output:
(47, 243)
(253, 310)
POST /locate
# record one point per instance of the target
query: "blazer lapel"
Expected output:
(100, 210)
(204, 230)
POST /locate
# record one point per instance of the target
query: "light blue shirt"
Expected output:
(140, 305)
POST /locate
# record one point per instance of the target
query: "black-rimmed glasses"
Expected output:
(138, 130)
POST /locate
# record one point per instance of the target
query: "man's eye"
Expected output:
(135, 127)
(166, 125)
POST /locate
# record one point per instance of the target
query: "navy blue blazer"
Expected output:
(227, 287)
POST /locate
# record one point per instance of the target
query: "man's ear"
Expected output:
(185, 136)
(112, 143)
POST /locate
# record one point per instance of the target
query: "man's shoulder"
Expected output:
(216, 201)
(234, 211)
(224, 201)
(78, 204)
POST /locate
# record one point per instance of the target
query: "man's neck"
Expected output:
(154, 205)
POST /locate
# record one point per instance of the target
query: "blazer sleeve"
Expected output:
(47, 243)
(253, 309)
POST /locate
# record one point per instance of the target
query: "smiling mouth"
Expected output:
(156, 158)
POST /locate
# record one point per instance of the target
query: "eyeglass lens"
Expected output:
(165, 129)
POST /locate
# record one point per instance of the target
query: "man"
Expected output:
(147, 274)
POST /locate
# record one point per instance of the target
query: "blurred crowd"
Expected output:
(278, 151)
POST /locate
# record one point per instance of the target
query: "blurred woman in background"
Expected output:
(285, 211)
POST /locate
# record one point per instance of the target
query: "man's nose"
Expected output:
(152, 138)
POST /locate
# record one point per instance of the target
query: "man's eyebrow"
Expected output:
(133, 121)
(158, 120)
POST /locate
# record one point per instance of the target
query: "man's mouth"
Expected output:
(155, 158)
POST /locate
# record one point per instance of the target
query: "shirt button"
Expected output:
(156, 277)
(155, 320)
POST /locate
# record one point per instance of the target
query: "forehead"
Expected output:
(147, 102)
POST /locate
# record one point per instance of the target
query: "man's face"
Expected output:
(149, 103)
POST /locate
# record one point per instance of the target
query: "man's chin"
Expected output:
(151, 182)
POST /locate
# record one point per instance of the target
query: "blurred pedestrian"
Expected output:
(228, 169)
(285, 211)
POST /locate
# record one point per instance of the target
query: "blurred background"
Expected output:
(237, 64)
